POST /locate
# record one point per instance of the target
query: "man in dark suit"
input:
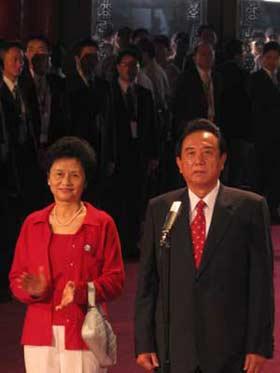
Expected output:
(20, 133)
(89, 97)
(198, 91)
(45, 93)
(91, 116)
(18, 158)
(264, 91)
(135, 144)
(8, 225)
(220, 285)
(236, 118)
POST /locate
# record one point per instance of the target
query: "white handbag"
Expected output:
(97, 332)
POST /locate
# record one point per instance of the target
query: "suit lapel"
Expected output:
(181, 235)
(221, 219)
(119, 98)
(7, 95)
(199, 81)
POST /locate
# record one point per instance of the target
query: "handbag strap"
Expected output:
(91, 294)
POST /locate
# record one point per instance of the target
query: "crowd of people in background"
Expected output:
(129, 96)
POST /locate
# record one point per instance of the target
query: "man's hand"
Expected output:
(148, 361)
(254, 363)
(34, 285)
(67, 296)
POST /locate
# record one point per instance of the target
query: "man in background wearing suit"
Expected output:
(264, 91)
(90, 101)
(221, 305)
(135, 143)
(198, 91)
(20, 132)
(45, 93)
(18, 158)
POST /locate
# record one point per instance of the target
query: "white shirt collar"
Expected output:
(203, 73)
(124, 85)
(31, 72)
(209, 199)
(11, 85)
(80, 72)
(269, 72)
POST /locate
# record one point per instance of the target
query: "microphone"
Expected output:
(170, 220)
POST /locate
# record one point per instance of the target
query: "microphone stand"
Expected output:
(165, 247)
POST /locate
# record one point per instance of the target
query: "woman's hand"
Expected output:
(67, 295)
(34, 285)
(254, 363)
(148, 361)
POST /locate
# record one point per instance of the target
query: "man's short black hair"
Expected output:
(124, 32)
(205, 27)
(197, 125)
(162, 40)
(7, 45)
(81, 44)
(139, 32)
(40, 37)
(132, 51)
(147, 46)
(233, 48)
(271, 46)
(199, 44)
(182, 36)
(73, 147)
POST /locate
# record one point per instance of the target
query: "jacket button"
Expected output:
(73, 246)
(71, 264)
(87, 247)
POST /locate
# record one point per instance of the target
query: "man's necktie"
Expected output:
(17, 100)
(207, 86)
(198, 231)
(275, 79)
(130, 104)
(22, 129)
(90, 82)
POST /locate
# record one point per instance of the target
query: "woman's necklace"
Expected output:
(81, 209)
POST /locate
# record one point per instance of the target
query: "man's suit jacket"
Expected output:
(223, 310)
(236, 113)
(147, 141)
(21, 164)
(190, 101)
(14, 158)
(265, 99)
(91, 113)
(59, 124)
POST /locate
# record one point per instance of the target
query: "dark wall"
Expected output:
(10, 19)
(75, 20)
(222, 14)
(22, 18)
(40, 17)
(70, 20)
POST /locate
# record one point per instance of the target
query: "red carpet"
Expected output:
(121, 313)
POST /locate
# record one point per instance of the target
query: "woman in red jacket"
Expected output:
(60, 249)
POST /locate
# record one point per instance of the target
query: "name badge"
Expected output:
(134, 129)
